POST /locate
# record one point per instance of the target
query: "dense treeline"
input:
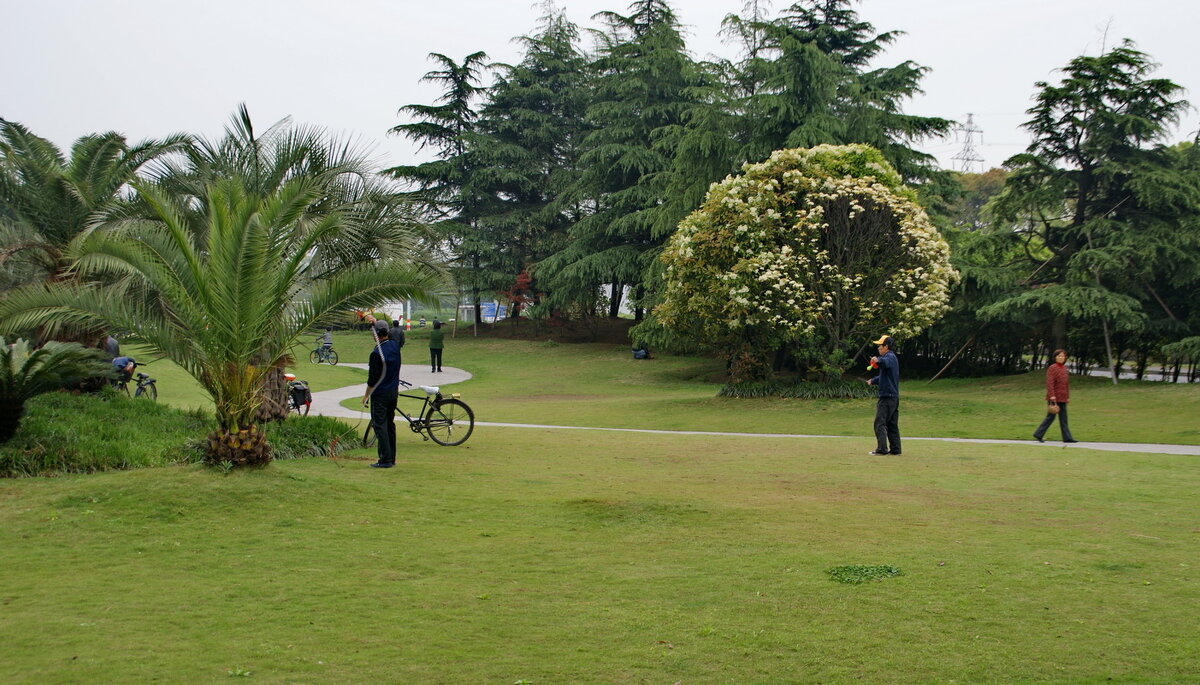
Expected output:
(558, 183)
(561, 180)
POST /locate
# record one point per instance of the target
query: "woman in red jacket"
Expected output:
(1058, 393)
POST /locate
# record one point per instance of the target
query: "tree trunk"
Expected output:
(244, 447)
(1058, 332)
(10, 420)
(614, 301)
(274, 404)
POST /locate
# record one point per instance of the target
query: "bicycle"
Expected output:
(145, 387)
(448, 421)
(323, 354)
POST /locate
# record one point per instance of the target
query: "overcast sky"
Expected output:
(147, 68)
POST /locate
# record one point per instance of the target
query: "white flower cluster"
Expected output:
(808, 243)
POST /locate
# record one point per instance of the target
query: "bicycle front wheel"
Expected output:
(449, 422)
(314, 357)
(149, 392)
(331, 358)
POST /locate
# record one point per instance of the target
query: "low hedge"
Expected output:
(83, 433)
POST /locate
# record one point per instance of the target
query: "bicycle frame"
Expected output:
(447, 421)
(416, 425)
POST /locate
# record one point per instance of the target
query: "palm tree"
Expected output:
(47, 201)
(225, 299)
(377, 222)
(25, 372)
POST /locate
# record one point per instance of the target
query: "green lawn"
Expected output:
(551, 556)
(601, 385)
(564, 556)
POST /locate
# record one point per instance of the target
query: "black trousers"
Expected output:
(435, 359)
(383, 418)
(887, 424)
(1062, 423)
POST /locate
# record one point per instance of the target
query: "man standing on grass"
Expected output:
(383, 387)
(396, 334)
(887, 409)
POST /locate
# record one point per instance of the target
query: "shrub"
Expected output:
(26, 371)
(80, 433)
(809, 252)
(311, 436)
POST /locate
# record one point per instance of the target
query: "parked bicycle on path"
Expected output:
(447, 421)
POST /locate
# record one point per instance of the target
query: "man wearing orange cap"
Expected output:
(887, 409)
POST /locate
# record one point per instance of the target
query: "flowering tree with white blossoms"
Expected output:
(806, 255)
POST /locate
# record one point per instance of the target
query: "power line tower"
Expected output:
(968, 155)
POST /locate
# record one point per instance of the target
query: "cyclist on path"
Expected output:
(326, 341)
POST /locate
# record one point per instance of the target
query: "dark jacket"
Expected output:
(396, 335)
(391, 376)
(1056, 383)
(888, 379)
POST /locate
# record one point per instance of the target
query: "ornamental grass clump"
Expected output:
(804, 257)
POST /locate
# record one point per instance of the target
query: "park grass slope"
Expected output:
(550, 556)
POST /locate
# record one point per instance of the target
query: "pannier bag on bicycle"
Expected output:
(301, 395)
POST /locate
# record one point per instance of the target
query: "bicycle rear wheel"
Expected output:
(331, 357)
(449, 422)
(149, 392)
(314, 357)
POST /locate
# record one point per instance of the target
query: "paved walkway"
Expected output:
(328, 403)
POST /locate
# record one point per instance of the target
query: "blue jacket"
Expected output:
(888, 379)
(391, 376)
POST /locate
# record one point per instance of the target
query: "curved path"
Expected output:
(328, 403)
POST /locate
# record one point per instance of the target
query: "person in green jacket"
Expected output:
(437, 340)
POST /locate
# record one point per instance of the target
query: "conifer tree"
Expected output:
(642, 78)
(1098, 199)
(821, 89)
(526, 147)
(449, 187)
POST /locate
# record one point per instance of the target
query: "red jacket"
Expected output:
(1056, 383)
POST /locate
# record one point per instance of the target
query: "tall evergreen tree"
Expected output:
(526, 147)
(449, 187)
(1098, 199)
(819, 89)
(641, 91)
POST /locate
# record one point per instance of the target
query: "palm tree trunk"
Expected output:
(243, 447)
(274, 405)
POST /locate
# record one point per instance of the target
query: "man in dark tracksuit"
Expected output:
(887, 409)
(396, 333)
(383, 387)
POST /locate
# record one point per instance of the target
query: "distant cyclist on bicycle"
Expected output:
(326, 341)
